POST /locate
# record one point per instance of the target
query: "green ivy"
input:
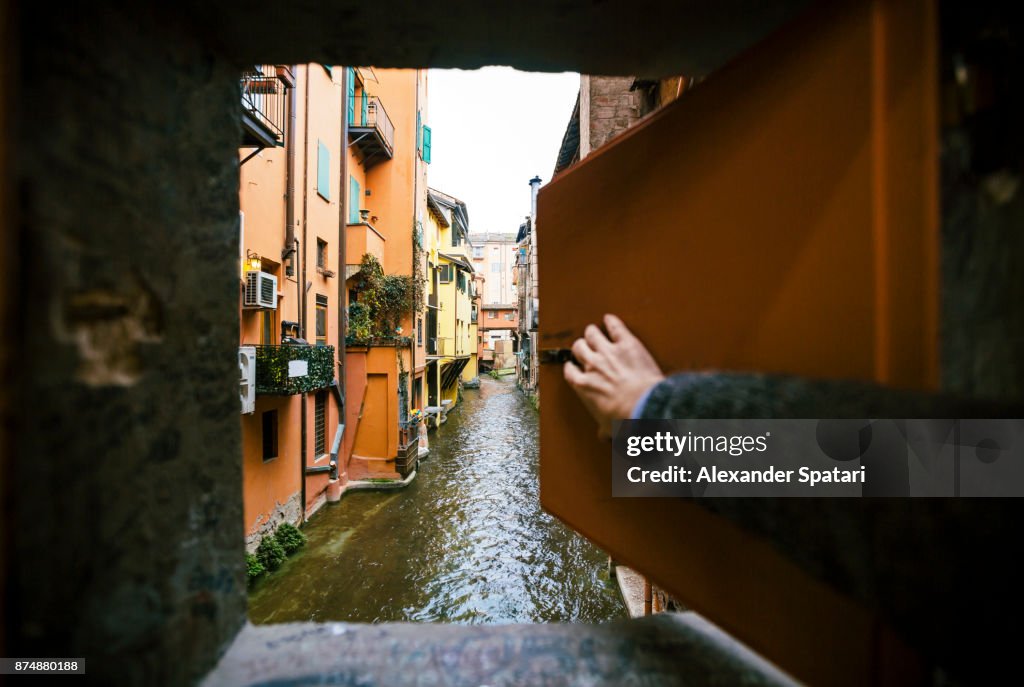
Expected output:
(382, 301)
(272, 369)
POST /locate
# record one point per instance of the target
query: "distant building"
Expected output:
(494, 256)
(529, 302)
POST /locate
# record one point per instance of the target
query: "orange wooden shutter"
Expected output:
(780, 217)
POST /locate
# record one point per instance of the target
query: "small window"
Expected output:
(445, 275)
(321, 254)
(492, 315)
(321, 320)
(419, 331)
(269, 435)
(320, 424)
(267, 327)
(323, 170)
(508, 316)
(478, 251)
(495, 267)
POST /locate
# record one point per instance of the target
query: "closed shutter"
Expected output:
(426, 144)
(351, 95)
(323, 170)
(353, 200)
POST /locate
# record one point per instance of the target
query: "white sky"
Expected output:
(492, 130)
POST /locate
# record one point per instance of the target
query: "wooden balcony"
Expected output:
(371, 131)
(264, 105)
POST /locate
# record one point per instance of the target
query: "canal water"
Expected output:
(466, 542)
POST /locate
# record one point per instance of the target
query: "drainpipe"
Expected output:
(343, 201)
(415, 207)
(289, 222)
(302, 285)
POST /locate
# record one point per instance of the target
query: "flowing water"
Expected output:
(466, 542)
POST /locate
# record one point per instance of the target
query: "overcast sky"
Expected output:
(492, 130)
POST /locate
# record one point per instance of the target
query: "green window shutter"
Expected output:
(323, 170)
(363, 107)
(350, 79)
(353, 200)
(426, 144)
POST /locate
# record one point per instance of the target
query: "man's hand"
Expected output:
(614, 371)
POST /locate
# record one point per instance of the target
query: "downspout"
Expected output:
(289, 221)
(302, 285)
(415, 226)
(343, 201)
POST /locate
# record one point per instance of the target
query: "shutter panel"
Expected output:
(363, 109)
(350, 89)
(323, 170)
(353, 200)
(786, 209)
(426, 144)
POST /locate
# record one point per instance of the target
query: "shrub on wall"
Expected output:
(270, 553)
(253, 567)
(290, 538)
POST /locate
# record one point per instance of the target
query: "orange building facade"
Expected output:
(320, 144)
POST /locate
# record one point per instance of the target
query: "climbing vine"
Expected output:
(382, 300)
(419, 278)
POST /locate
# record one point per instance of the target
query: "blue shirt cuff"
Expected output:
(638, 409)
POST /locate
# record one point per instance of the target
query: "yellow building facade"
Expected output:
(452, 310)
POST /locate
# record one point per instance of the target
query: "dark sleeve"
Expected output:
(730, 395)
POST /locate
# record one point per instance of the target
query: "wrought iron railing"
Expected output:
(370, 114)
(265, 97)
(293, 369)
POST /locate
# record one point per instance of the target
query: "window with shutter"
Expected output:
(351, 96)
(426, 144)
(353, 200)
(323, 170)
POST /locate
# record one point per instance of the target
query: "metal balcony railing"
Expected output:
(371, 130)
(293, 369)
(264, 106)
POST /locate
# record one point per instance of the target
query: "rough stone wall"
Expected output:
(265, 525)
(982, 200)
(126, 529)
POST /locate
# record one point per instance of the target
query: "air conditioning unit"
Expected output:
(247, 378)
(260, 290)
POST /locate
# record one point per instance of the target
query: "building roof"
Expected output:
(524, 231)
(569, 152)
(498, 306)
(458, 260)
(493, 237)
(460, 213)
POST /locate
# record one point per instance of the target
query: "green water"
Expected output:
(466, 542)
